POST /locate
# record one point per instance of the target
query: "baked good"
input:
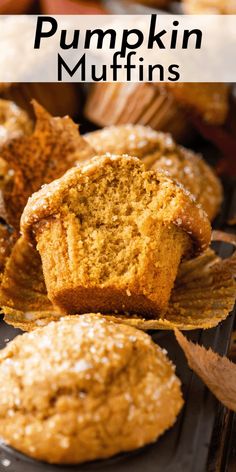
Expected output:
(221, 7)
(159, 152)
(165, 107)
(111, 236)
(85, 388)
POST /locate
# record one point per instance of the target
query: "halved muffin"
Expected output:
(159, 152)
(111, 236)
(85, 388)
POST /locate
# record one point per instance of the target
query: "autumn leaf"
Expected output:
(218, 373)
(53, 147)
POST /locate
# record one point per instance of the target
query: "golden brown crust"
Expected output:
(85, 388)
(159, 152)
(210, 101)
(186, 214)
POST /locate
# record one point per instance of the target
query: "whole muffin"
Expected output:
(159, 152)
(85, 388)
(111, 236)
(164, 107)
(221, 7)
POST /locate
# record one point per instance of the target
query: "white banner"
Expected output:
(87, 48)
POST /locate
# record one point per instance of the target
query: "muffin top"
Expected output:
(159, 152)
(85, 388)
(14, 121)
(169, 202)
(208, 100)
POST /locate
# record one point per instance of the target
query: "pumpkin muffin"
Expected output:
(164, 107)
(221, 7)
(85, 388)
(111, 236)
(159, 152)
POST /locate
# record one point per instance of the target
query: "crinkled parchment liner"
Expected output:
(204, 293)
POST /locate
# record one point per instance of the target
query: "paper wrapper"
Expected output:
(203, 295)
(140, 103)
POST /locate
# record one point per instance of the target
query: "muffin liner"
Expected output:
(203, 295)
(53, 147)
(137, 103)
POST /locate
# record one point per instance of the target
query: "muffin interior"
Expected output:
(115, 219)
(112, 236)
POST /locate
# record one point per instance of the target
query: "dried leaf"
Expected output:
(53, 147)
(218, 373)
(7, 240)
(24, 301)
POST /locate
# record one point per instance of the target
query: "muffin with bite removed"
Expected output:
(111, 236)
